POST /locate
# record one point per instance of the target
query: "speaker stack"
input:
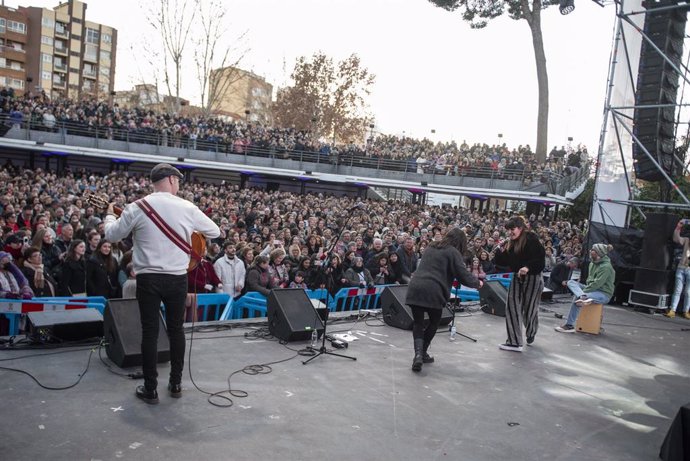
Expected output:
(291, 315)
(398, 314)
(657, 85)
(653, 275)
(122, 331)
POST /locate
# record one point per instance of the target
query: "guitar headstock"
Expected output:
(97, 201)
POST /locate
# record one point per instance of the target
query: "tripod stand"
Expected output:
(449, 306)
(322, 349)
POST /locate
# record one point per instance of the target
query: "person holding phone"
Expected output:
(682, 284)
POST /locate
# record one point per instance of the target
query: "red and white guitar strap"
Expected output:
(168, 231)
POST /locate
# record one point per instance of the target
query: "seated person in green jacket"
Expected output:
(599, 288)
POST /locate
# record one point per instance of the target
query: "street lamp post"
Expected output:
(246, 116)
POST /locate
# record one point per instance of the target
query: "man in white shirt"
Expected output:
(161, 270)
(230, 270)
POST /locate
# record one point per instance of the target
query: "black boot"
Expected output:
(418, 355)
(426, 358)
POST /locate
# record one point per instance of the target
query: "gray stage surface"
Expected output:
(569, 397)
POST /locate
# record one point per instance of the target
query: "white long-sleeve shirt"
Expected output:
(232, 273)
(153, 251)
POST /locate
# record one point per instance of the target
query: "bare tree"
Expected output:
(216, 65)
(173, 20)
(326, 99)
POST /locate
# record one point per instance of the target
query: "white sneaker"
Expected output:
(510, 347)
(584, 302)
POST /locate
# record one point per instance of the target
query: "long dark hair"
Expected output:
(455, 238)
(109, 261)
(71, 254)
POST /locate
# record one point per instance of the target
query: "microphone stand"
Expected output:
(325, 265)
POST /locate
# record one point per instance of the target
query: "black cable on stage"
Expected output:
(135, 375)
(42, 355)
(52, 388)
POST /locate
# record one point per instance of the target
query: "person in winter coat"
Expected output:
(429, 289)
(599, 288)
(13, 284)
(73, 270)
(101, 272)
(258, 277)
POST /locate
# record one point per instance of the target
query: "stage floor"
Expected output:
(569, 397)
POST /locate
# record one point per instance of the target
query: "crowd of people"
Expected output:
(91, 117)
(55, 238)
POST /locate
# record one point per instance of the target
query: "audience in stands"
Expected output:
(385, 238)
(93, 118)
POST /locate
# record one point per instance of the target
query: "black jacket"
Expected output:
(431, 283)
(100, 282)
(532, 256)
(72, 277)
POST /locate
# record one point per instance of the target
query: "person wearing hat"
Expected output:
(599, 287)
(13, 284)
(161, 270)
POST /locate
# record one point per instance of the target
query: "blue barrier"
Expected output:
(13, 309)
(349, 299)
(216, 303)
(251, 305)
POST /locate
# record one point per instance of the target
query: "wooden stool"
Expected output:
(589, 320)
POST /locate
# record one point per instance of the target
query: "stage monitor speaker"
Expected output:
(122, 328)
(398, 314)
(493, 297)
(66, 325)
(652, 281)
(291, 315)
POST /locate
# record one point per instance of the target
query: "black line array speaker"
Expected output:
(66, 325)
(122, 331)
(398, 314)
(653, 275)
(657, 84)
(291, 315)
(493, 297)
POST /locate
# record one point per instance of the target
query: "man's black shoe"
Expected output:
(150, 397)
(175, 390)
(530, 340)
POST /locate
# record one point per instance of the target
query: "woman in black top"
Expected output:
(429, 289)
(73, 273)
(524, 255)
(101, 272)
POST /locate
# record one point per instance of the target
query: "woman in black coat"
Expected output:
(101, 272)
(429, 289)
(73, 272)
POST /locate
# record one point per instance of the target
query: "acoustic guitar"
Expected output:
(198, 241)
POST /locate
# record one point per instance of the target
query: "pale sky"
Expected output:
(433, 71)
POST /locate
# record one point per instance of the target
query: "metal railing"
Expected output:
(134, 138)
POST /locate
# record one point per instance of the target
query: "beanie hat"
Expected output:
(602, 249)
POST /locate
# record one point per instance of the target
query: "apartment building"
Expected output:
(239, 94)
(13, 47)
(65, 54)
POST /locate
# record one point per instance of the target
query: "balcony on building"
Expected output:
(61, 30)
(60, 48)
